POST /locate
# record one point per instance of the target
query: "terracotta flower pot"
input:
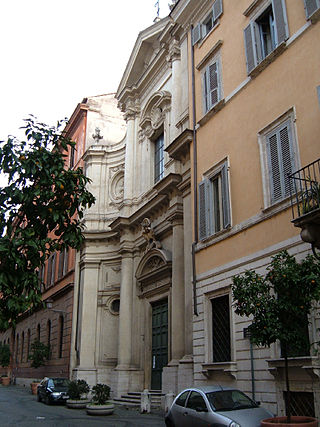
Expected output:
(5, 381)
(296, 421)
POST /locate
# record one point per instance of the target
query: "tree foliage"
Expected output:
(280, 301)
(41, 211)
(77, 389)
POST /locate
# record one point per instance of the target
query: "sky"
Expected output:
(54, 53)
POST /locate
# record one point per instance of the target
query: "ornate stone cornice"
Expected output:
(131, 109)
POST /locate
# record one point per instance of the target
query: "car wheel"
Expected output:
(38, 397)
(48, 401)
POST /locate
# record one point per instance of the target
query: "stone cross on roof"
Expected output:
(97, 136)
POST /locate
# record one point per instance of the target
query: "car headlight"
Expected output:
(56, 394)
(234, 424)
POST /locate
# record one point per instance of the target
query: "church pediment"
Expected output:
(154, 270)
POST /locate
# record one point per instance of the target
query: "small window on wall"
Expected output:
(159, 158)
(201, 29)
(221, 336)
(265, 32)
(214, 202)
(212, 85)
(279, 153)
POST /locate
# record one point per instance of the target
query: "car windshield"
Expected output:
(229, 400)
(60, 382)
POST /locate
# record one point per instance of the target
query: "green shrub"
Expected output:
(39, 354)
(77, 388)
(101, 393)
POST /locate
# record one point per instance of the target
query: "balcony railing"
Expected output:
(305, 190)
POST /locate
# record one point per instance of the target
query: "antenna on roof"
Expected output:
(157, 5)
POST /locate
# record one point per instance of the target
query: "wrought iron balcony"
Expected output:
(305, 202)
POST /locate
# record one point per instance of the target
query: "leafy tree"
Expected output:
(5, 355)
(279, 303)
(41, 208)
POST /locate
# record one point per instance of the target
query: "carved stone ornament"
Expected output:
(117, 185)
(157, 117)
(148, 234)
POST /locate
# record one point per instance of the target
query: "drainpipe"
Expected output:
(195, 184)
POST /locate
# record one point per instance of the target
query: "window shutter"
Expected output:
(196, 34)
(217, 9)
(287, 158)
(212, 85)
(281, 162)
(249, 48)
(280, 17)
(274, 168)
(204, 208)
(225, 196)
(311, 6)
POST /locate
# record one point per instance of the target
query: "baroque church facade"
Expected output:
(132, 317)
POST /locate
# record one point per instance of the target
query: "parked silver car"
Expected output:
(215, 406)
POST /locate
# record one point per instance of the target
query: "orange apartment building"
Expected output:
(254, 83)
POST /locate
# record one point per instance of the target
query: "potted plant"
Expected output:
(5, 356)
(39, 354)
(78, 391)
(100, 405)
(277, 304)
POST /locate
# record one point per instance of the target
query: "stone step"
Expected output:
(133, 398)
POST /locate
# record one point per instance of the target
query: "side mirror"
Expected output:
(257, 402)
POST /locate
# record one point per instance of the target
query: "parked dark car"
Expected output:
(53, 390)
(213, 406)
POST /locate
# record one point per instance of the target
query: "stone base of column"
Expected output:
(185, 372)
(177, 375)
(127, 379)
(87, 374)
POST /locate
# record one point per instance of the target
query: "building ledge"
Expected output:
(310, 364)
(228, 368)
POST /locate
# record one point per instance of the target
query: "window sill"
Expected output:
(214, 110)
(310, 364)
(228, 368)
(268, 60)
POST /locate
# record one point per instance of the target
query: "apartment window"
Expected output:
(51, 267)
(280, 153)
(61, 328)
(159, 158)
(265, 32)
(63, 263)
(302, 403)
(38, 332)
(22, 347)
(221, 337)
(17, 348)
(201, 29)
(311, 7)
(212, 85)
(49, 335)
(214, 202)
(28, 343)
